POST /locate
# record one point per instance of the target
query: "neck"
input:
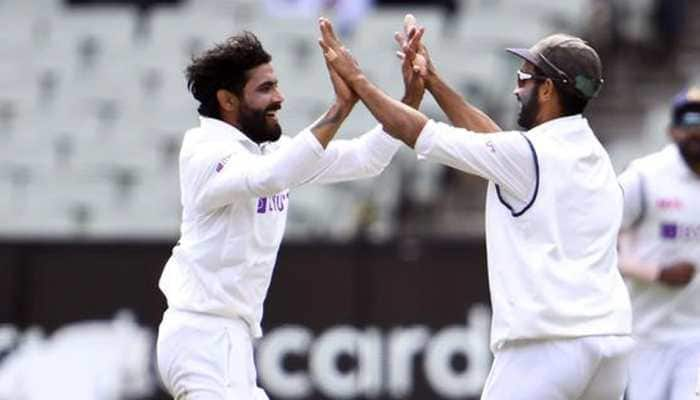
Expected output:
(549, 110)
(231, 120)
(546, 117)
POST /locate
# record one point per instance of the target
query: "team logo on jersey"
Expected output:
(675, 231)
(275, 203)
(221, 164)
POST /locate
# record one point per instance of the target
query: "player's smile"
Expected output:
(271, 115)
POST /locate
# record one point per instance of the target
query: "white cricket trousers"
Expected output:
(665, 371)
(206, 357)
(585, 368)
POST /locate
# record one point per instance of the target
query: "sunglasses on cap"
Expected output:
(584, 87)
(523, 77)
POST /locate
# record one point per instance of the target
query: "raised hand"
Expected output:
(410, 45)
(412, 48)
(398, 119)
(345, 96)
(336, 54)
(412, 64)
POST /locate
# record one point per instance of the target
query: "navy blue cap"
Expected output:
(686, 108)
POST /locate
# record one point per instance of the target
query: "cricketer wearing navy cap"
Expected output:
(660, 255)
(686, 107)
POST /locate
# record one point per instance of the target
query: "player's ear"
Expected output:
(228, 101)
(547, 90)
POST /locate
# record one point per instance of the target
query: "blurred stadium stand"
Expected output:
(93, 105)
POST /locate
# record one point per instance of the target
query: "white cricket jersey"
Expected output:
(235, 196)
(662, 222)
(552, 219)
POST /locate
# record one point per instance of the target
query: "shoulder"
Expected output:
(656, 162)
(201, 153)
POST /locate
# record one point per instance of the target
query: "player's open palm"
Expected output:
(336, 54)
(411, 62)
(412, 47)
(677, 274)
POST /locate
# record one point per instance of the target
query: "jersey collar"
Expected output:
(217, 129)
(570, 122)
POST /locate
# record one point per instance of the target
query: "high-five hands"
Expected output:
(336, 54)
(398, 119)
(345, 96)
(414, 66)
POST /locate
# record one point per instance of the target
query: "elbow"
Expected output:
(407, 128)
(400, 126)
(400, 131)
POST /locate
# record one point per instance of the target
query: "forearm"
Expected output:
(398, 119)
(461, 113)
(412, 99)
(325, 128)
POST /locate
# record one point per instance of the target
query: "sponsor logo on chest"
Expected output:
(275, 203)
(679, 231)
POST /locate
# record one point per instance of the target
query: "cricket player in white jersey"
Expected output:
(660, 253)
(235, 173)
(561, 313)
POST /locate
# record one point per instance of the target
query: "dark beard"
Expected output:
(690, 151)
(254, 124)
(529, 110)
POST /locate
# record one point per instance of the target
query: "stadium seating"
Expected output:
(93, 105)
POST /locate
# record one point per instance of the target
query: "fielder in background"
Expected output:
(561, 313)
(236, 169)
(659, 254)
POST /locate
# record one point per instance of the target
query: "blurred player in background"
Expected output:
(561, 313)
(660, 253)
(235, 173)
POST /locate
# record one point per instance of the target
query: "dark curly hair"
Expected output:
(224, 66)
